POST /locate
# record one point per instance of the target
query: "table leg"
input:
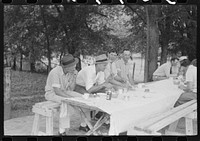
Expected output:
(87, 121)
(98, 124)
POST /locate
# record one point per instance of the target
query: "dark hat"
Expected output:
(101, 59)
(69, 60)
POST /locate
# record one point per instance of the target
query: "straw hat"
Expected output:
(101, 59)
(182, 58)
(69, 60)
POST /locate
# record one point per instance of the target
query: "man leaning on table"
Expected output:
(124, 68)
(190, 89)
(60, 84)
(166, 70)
(111, 71)
(91, 79)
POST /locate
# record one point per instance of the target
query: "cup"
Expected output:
(125, 90)
(86, 95)
(120, 91)
(141, 85)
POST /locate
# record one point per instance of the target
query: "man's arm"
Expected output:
(65, 93)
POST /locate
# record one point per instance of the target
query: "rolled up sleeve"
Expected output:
(55, 80)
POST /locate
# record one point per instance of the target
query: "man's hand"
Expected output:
(107, 85)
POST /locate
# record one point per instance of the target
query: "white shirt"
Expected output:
(57, 78)
(164, 70)
(124, 69)
(191, 75)
(110, 69)
(87, 77)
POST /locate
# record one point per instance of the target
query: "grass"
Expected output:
(26, 90)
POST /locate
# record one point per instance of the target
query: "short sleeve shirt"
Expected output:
(57, 78)
(164, 70)
(124, 69)
(87, 77)
(191, 75)
(110, 69)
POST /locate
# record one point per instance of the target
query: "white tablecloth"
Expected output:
(124, 114)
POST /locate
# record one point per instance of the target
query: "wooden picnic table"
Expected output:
(125, 113)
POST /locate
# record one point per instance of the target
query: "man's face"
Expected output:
(102, 66)
(70, 69)
(126, 55)
(175, 62)
(182, 70)
(179, 54)
(113, 56)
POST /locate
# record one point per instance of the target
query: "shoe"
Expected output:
(62, 134)
(85, 129)
(98, 115)
(107, 125)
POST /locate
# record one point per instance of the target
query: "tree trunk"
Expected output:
(14, 63)
(165, 34)
(163, 53)
(152, 42)
(47, 39)
(31, 59)
(21, 58)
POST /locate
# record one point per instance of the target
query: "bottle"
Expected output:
(109, 95)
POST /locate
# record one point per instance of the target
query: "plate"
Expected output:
(101, 94)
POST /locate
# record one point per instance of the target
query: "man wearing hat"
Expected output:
(166, 70)
(91, 78)
(60, 84)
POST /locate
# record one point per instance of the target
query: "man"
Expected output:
(190, 89)
(111, 70)
(166, 70)
(60, 85)
(124, 68)
(91, 78)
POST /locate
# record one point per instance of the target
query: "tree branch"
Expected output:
(134, 10)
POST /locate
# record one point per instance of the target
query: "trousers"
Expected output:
(64, 121)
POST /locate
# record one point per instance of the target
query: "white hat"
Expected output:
(183, 58)
(101, 59)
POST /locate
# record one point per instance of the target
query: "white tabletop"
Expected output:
(140, 106)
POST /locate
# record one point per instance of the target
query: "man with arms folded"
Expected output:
(124, 69)
(166, 70)
(60, 85)
(111, 71)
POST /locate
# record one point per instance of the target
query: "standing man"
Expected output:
(166, 70)
(60, 85)
(91, 78)
(124, 68)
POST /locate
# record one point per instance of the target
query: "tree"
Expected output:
(152, 42)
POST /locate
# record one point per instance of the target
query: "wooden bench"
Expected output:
(46, 109)
(153, 125)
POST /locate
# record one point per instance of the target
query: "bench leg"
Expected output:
(173, 126)
(35, 125)
(49, 125)
(189, 126)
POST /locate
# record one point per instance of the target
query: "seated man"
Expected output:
(91, 78)
(111, 71)
(183, 68)
(191, 85)
(60, 85)
(124, 69)
(166, 70)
